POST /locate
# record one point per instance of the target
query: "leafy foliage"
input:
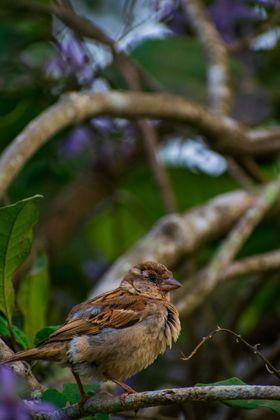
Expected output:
(55, 397)
(32, 297)
(70, 394)
(71, 391)
(16, 223)
(19, 335)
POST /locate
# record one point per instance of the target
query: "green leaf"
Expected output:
(72, 393)
(101, 416)
(16, 223)
(44, 333)
(21, 337)
(246, 404)
(4, 330)
(18, 333)
(230, 381)
(33, 297)
(55, 397)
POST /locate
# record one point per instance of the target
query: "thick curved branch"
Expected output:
(76, 107)
(166, 397)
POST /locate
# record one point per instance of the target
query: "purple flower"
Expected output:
(77, 141)
(103, 124)
(11, 406)
(71, 60)
(7, 381)
(226, 14)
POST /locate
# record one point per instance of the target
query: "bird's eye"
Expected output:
(152, 277)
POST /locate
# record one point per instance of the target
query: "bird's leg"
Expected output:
(127, 389)
(84, 395)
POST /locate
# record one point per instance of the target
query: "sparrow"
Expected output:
(118, 333)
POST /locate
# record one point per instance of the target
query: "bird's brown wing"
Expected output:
(115, 309)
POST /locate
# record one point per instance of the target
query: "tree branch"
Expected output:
(21, 369)
(76, 107)
(166, 397)
(218, 76)
(176, 235)
(131, 75)
(263, 27)
(255, 264)
(202, 285)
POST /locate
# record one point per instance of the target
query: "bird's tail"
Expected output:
(47, 352)
(30, 354)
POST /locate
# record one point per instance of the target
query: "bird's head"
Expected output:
(150, 279)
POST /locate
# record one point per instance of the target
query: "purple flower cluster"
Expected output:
(11, 406)
(229, 16)
(71, 59)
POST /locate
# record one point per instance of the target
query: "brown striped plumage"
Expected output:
(119, 333)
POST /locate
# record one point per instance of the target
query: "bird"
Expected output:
(118, 333)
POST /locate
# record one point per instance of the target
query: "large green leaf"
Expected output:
(246, 404)
(55, 397)
(19, 335)
(16, 223)
(33, 297)
(72, 394)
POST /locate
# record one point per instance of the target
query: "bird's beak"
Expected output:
(170, 284)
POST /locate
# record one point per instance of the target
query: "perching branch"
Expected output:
(165, 397)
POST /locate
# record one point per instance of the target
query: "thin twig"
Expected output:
(254, 348)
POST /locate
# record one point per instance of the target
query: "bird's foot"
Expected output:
(125, 394)
(127, 389)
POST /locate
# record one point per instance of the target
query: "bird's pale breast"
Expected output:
(120, 353)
